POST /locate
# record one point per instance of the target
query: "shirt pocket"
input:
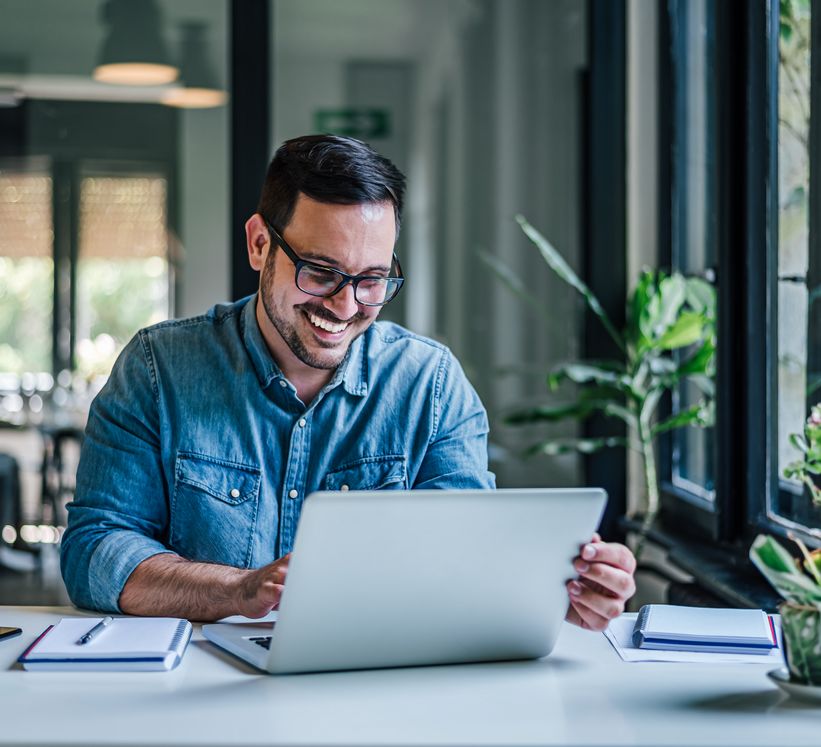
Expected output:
(370, 473)
(214, 509)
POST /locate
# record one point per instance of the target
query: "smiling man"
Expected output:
(211, 431)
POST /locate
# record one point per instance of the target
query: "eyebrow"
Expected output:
(314, 257)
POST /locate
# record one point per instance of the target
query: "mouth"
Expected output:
(326, 329)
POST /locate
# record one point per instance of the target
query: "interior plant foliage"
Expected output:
(668, 339)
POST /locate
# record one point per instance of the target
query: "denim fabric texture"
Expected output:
(199, 445)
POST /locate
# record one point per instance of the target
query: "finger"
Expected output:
(612, 553)
(605, 606)
(617, 582)
(583, 616)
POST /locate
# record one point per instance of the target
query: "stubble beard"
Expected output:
(288, 332)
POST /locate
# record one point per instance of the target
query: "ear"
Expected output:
(258, 241)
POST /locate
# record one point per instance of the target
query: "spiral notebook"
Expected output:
(128, 644)
(669, 627)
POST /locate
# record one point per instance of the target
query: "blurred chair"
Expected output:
(11, 510)
(61, 451)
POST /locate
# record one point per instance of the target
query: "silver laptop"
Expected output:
(404, 578)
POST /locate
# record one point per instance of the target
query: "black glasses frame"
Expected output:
(354, 280)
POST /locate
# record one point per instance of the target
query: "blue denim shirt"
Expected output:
(199, 445)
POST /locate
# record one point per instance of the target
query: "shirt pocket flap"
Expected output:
(370, 473)
(228, 481)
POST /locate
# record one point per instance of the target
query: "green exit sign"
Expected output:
(358, 123)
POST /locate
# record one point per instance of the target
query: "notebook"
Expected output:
(403, 578)
(675, 628)
(128, 644)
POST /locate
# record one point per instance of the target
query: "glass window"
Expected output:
(26, 269)
(694, 213)
(799, 273)
(123, 277)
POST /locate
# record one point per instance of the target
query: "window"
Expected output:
(798, 261)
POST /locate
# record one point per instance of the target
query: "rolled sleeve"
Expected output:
(119, 516)
(456, 455)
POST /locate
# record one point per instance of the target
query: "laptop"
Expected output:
(406, 578)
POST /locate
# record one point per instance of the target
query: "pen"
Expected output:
(96, 630)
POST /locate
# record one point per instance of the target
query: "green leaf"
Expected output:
(700, 414)
(556, 446)
(785, 31)
(700, 362)
(779, 568)
(552, 413)
(701, 296)
(672, 293)
(511, 280)
(581, 373)
(687, 330)
(558, 264)
(579, 410)
(799, 442)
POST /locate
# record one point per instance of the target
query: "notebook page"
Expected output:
(125, 636)
(704, 623)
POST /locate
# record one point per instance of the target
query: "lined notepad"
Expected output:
(128, 644)
(674, 628)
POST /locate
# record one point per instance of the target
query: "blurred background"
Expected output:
(617, 128)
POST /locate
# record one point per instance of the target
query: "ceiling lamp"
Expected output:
(199, 89)
(134, 52)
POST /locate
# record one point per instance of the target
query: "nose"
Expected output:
(342, 305)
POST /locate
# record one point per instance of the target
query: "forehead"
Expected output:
(353, 237)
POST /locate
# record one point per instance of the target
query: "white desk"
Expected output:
(581, 695)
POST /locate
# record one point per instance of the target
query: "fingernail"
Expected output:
(589, 552)
(582, 567)
(575, 589)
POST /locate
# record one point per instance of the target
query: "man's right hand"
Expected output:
(260, 590)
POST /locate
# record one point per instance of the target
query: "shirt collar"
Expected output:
(352, 372)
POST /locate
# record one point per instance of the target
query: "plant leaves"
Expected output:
(700, 362)
(556, 446)
(583, 373)
(511, 280)
(558, 264)
(779, 568)
(687, 330)
(701, 296)
(672, 293)
(700, 414)
(580, 410)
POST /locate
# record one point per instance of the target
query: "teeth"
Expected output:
(327, 326)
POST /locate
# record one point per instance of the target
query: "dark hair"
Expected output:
(332, 169)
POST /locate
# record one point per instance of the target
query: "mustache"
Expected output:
(326, 315)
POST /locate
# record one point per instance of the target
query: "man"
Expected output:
(211, 431)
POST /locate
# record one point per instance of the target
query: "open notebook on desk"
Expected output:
(127, 644)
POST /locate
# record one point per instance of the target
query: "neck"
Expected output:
(307, 380)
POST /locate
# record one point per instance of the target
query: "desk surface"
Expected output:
(583, 694)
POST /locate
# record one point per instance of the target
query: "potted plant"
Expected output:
(799, 582)
(669, 338)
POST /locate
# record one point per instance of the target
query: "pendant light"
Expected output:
(199, 88)
(134, 52)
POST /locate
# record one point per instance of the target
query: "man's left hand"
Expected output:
(605, 583)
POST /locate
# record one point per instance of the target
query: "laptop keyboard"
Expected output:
(262, 640)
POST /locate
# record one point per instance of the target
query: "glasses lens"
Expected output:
(317, 281)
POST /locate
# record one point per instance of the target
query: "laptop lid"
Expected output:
(399, 578)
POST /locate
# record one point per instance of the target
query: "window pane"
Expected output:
(795, 265)
(26, 271)
(123, 270)
(694, 208)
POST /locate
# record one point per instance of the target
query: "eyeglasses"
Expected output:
(322, 281)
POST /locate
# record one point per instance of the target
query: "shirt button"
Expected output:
(302, 422)
(293, 493)
(283, 383)
(234, 493)
(344, 487)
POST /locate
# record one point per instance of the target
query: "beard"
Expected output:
(330, 354)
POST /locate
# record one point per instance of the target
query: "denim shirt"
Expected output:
(200, 446)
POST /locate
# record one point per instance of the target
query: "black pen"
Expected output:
(96, 630)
